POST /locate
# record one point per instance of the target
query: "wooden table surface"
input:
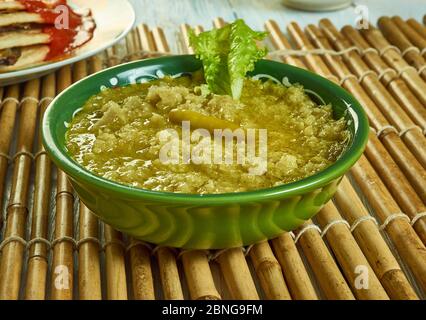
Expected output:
(170, 14)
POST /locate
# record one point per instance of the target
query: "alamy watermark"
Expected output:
(362, 278)
(62, 277)
(62, 21)
(223, 146)
(362, 17)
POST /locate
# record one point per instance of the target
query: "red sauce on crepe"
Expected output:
(63, 41)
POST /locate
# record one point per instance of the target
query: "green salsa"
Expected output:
(120, 135)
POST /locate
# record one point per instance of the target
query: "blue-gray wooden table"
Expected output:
(170, 14)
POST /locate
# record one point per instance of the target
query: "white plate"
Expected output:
(318, 5)
(114, 20)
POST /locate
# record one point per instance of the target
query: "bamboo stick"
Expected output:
(117, 54)
(62, 281)
(140, 265)
(112, 56)
(115, 264)
(400, 91)
(412, 169)
(62, 262)
(281, 43)
(406, 197)
(218, 23)
(219, 279)
(372, 244)
(198, 29)
(414, 138)
(394, 59)
(169, 274)
(133, 45)
(160, 40)
(411, 34)
(17, 209)
(237, 274)
(146, 38)
(418, 27)
(95, 64)
(365, 246)
(198, 275)
(314, 62)
(269, 272)
(408, 244)
(148, 44)
(349, 255)
(89, 273)
(396, 37)
(38, 252)
(184, 29)
(79, 70)
(326, 271)
(7, 123)
(1, 96)
(295, 273)
(393, 143)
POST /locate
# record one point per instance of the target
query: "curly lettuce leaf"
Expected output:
(228, 54)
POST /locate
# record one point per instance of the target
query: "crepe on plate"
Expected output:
(29, 36)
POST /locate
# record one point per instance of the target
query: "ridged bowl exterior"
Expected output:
(195, 221)
(204, 227)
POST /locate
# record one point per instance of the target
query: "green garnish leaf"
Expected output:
(228, 54)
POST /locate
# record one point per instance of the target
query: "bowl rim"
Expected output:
(310, 183)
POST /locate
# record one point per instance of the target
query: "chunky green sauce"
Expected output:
(119, 135)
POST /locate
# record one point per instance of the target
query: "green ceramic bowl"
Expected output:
(202, 221)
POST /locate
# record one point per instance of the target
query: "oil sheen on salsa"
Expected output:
(63, 40)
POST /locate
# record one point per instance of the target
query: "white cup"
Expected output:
(318, 5)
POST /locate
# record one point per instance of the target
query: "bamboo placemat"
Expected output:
(368, 243)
